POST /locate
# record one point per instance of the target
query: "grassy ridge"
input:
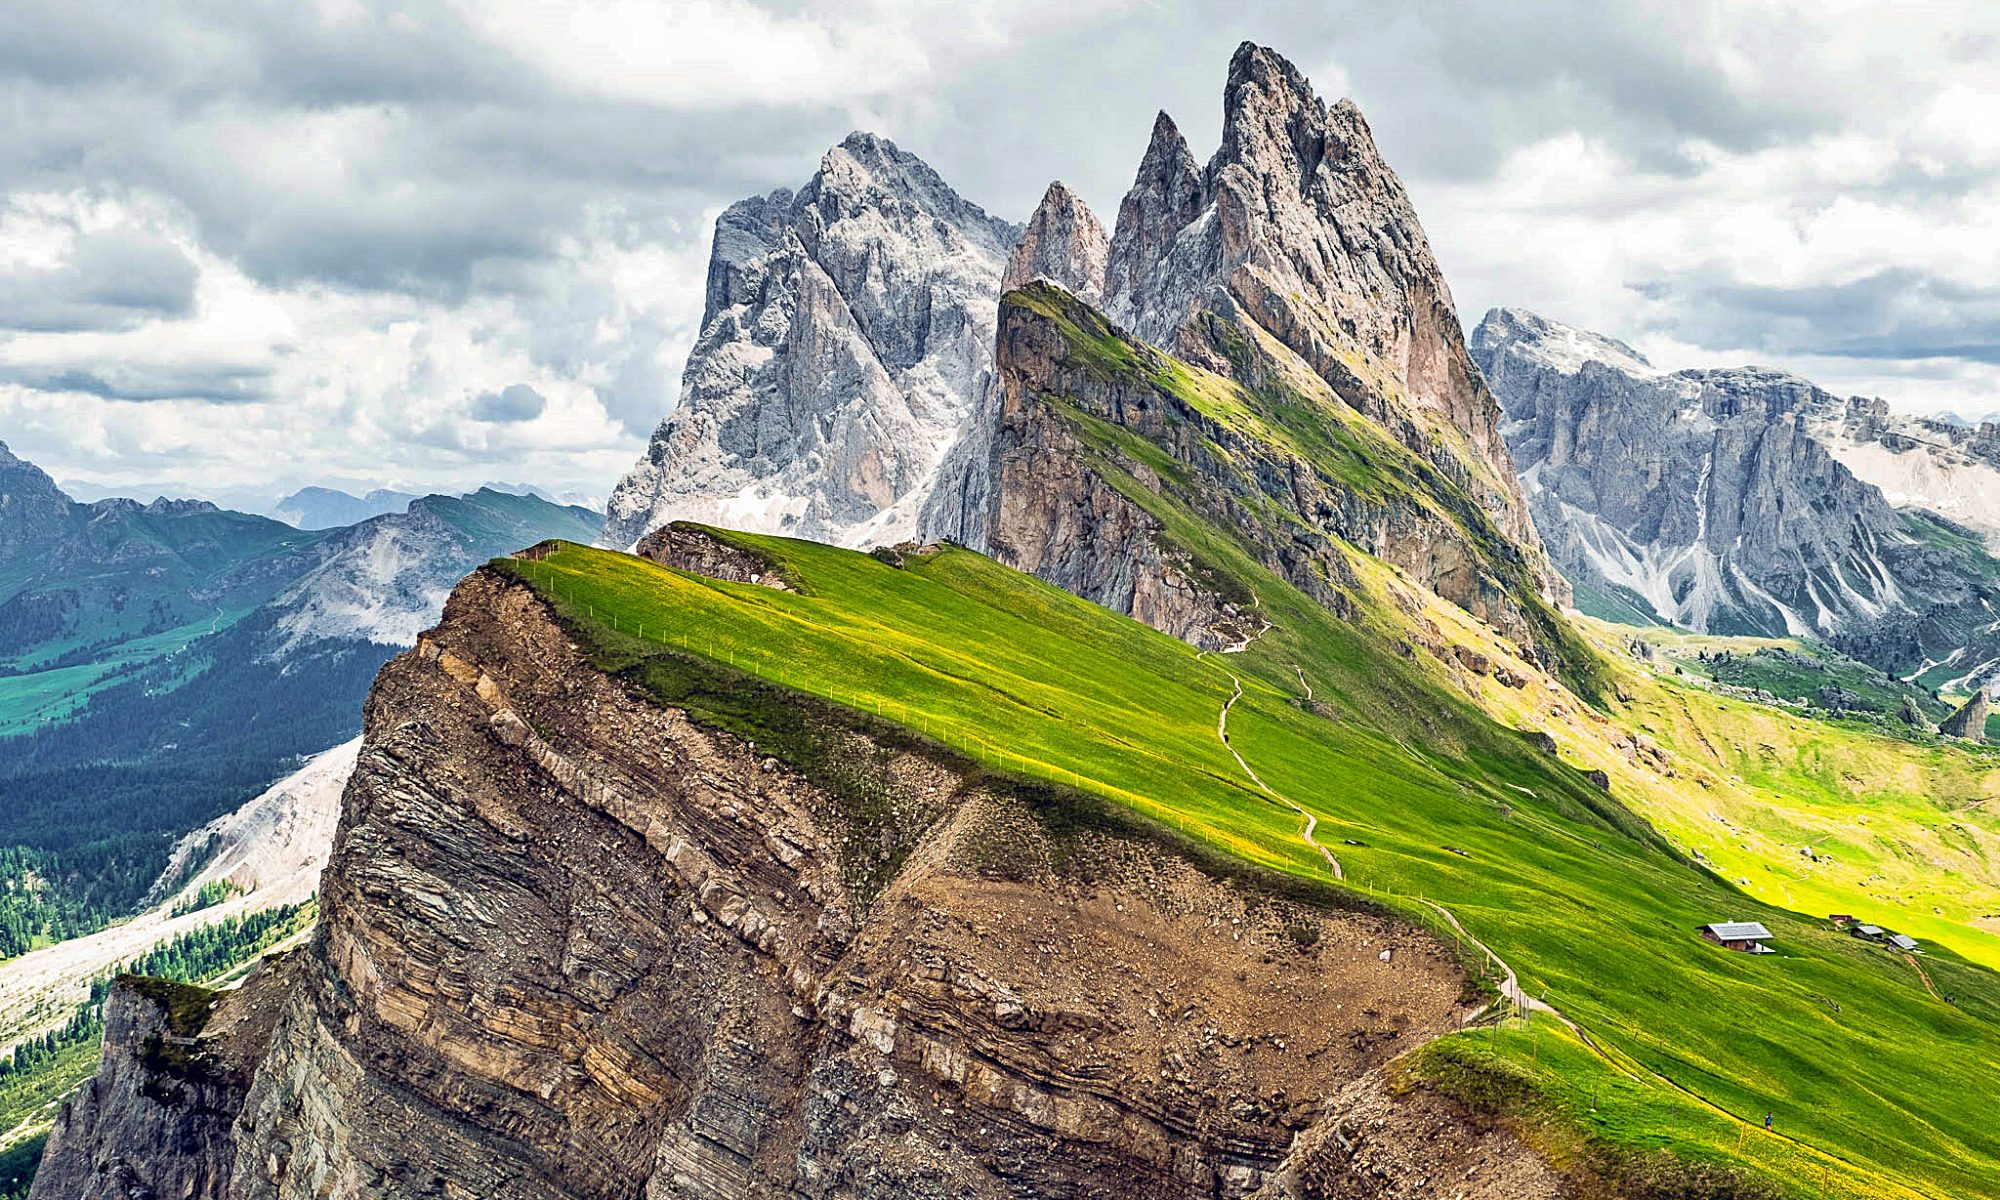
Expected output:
(1876, 1085)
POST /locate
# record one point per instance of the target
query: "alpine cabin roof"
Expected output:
(1739, 931)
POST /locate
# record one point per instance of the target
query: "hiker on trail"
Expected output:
(1767, 1120)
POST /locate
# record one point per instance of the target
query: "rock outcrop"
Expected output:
(1291, 270)
(1709, 499)
(1969, 722)
(690, 548)
(158, 1119)
(1102, 440)
(575, 945)
(846, 342)
(1063, 243)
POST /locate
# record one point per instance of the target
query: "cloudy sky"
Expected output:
(248, 246)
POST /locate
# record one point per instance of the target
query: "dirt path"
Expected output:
(1222, 735)
(1925, 976)
(1510, 983)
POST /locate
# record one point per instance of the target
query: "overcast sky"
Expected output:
(248, 246)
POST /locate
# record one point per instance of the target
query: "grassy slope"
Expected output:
(1875, 1084)
(1905, 833)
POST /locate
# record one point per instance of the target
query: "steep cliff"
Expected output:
(846, 341)
(157, 1120)
(1129, 477)
(1297, 230)
(578, 945)
(1922, 462)
(1296, 241)
(1710, 499)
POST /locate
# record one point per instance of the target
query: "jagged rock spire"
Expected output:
(1165, 195)
(1064, 242)
(846, 342)
(1297, 227)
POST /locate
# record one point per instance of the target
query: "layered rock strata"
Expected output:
(576, 945)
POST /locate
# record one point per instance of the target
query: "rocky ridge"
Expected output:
(846, 342)
(1116, 468)
(1297, 228)
(576, 945)
(1935, 464)
(1289, 276)
(1293, 255)
(1711, 500)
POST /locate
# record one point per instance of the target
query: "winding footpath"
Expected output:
(1925, 976)
(1510, 984)
(1222, 735)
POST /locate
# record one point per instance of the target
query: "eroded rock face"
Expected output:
(1298, 228)
(158, 1118)
(846, 341)
(1969, 722)
(1063, 509)
(688, 548)
(1711, 499)
(1063, 243)
(578, 946)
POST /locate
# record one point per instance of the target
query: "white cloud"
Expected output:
(393, 210)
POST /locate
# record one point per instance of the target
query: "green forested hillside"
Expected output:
(160, 664)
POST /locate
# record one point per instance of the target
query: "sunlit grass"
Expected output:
(1880, 1083)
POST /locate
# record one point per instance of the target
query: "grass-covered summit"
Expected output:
(1874, 1081)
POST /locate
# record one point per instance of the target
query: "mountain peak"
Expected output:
(1065, 242)
(1261, 77)
(1299, 228)
(865, 168)
(1166, 194)
(1552, 343)
(864, 303)
(1166, 149)
(873, 150)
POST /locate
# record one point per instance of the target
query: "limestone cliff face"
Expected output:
(1299, 230)
(157, 1120)
(1056, 515)
(579, 946)
(1063, 243)
(1098, 432)
(1294, 266)
(1715, 500)
(846, 341)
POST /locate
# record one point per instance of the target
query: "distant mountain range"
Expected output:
(1749, 501)
(162, 662)
(324, 508)
(327, 508)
